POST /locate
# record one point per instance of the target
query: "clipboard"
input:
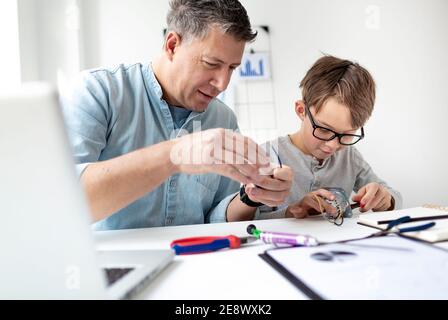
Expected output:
(384, 268)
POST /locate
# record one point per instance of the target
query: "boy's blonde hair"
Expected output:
(346, 81)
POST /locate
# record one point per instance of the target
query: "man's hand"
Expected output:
(373, 196)
(309, 205)
(271, 190)
(220, 151)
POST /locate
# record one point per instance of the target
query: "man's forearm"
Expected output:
(238, 211)
(113, 184)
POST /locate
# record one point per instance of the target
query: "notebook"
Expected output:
(435, 234)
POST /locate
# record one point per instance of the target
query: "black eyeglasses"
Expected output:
(326, 134)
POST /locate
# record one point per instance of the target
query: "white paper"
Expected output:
(379, 268)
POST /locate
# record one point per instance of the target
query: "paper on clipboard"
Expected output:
(388, 267)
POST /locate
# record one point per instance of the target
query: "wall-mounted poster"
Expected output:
(255, 66)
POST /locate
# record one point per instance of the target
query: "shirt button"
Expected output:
(173, 184)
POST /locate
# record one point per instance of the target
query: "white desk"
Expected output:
(227, 274)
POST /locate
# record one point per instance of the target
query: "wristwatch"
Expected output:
(245, 198)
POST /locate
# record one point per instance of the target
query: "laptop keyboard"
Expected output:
(115, 274)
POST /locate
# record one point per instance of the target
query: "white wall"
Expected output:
(9, 43)
(117, 31)
(28, 29)
(50, 44)
(402, 42)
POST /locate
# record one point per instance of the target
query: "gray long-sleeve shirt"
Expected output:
(346, 169)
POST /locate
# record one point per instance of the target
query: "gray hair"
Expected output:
(193, 18)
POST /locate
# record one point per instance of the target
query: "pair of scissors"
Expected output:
(208, 244)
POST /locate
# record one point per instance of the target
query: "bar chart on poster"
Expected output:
(255, 66)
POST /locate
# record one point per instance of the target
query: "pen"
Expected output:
(282, 238)
(278, 157)
(280, 165)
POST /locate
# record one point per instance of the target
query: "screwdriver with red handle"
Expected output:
(208, 244)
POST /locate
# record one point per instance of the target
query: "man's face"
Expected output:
(202, 69)
(332, 115)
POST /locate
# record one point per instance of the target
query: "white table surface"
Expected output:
(226, 274)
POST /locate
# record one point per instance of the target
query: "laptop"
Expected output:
(46, 242)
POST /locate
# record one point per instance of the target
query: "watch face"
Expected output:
(246, 200)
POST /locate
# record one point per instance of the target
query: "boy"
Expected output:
(338, 98)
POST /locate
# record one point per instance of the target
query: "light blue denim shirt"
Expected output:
(114, 112)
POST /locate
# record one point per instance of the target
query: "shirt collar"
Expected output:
(151, 77)
(313, 160)
(153, 82)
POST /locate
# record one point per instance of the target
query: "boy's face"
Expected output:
(202, 68)
(332, 115)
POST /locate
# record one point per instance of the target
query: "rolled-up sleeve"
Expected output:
(226, 192)
(85, 111)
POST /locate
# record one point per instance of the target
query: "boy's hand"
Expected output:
(373, 196)
(310, 206)
(271, 190)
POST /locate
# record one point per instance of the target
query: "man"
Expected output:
(128, 127)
